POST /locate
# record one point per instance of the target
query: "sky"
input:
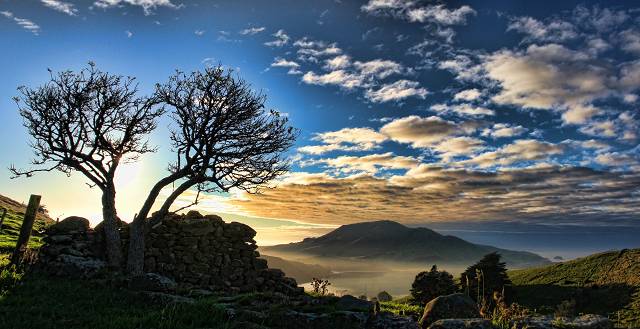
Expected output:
(503, 116)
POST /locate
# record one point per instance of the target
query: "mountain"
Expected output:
(388, 240)
(302, 272)
(607, 282)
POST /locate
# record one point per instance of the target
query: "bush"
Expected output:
(384, 296)
(431, 284)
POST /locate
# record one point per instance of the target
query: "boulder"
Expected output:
(73, 224)
(77, 266)
(191, 214)
(587, 321)
(152, 282)
(351, 303)
(461, 324)
(454, 306)
(163, 298)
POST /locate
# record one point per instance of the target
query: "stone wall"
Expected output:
(198, 252)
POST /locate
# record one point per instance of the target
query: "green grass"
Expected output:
(11, 229)
(606, 283)
(402, 308)
(39, 302)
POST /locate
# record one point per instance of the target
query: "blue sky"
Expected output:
(417, 111)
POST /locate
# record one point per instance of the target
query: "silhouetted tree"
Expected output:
(223, 139)
(384, 296)
(431, 284)
(485, 277)
(90, 122)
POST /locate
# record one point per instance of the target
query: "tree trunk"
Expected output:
(135, 258)
(111, 234)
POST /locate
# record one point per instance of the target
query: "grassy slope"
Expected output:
(13, 222)
(39, 302)
(601, 283)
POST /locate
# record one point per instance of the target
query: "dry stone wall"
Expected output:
(197, 251)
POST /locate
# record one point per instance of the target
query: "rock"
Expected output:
(587, 321)
(590, 321)
(351, 303)
(163, 298)
(245, 230)
(296, 320)
(152, 282)
(461, 324)
(454, 306)
(69, 225)
(59, 239)
(80, 266)
(200, 293)
(191, 214)
(389, 320)
(197, 226)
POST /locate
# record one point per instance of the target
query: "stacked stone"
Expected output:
(70, 249)
(198, 252)
(205, 252)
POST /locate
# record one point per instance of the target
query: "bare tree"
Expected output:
(90, 122)
(224, 139)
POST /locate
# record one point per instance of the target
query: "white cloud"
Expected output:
(616, 159)
(440, 14)
(420, 132)
(413, 12)
(379, 68)
(554, 30)
(61, 6)
(281, 62)
(147, 5)
(500, 130)
(338, 62)
(339, 77)
(630, 41)
(396, 91)
(463, 110)
(468, 95)
(23, 22)
(369, 163)
(518, 151)
(458, 146)
(199, 32)
(281, 39)
(346, 139)
(549, 77)
(252, 30)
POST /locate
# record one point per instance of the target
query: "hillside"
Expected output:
(13, 221)
(388, 240)
(302, 272)
(607, 282)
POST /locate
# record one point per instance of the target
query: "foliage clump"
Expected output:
(431, 284)
(320, 286)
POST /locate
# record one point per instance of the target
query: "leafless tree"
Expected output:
(224, 139)
(90, 122)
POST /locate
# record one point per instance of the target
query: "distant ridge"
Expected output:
(389, 240)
